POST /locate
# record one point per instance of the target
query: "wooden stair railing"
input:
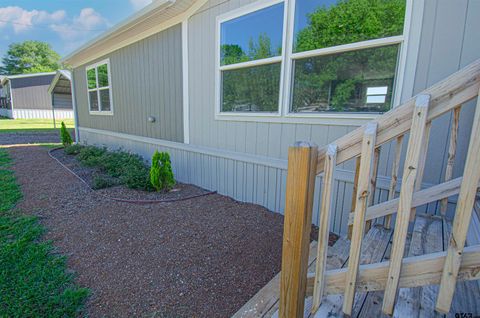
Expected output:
(305, 162)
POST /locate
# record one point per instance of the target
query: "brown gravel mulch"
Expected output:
(203, 257)
(31, 137)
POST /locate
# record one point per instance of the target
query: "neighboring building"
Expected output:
(27, 97)
(227, 86)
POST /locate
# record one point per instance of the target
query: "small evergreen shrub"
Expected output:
(65, 136)
(73, 149)
(161, 174)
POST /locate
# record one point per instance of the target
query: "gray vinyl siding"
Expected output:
(146, 81)
(31, 92)
(63, 101)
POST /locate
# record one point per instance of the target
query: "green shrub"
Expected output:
(161, 174)
(137, 179)
(65, 136)
(129, 168)
(73, 149)
(90, 155)
(100, 182)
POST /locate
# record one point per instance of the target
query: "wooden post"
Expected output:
(452, 149)
(324, 226)
(394, 176)
(463, 214)
(354, 193)
(373, 185)
(414, 150)
(302, 161)
(421, 165)
(366, 167)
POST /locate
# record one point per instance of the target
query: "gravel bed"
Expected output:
(180, 191)
(26, 137)
(203, 257)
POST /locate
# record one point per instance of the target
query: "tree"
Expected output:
(29, 57)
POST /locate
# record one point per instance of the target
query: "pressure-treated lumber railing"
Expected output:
(305, 161)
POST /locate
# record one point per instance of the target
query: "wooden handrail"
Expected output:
(416, 271)
(455, 90)
(305, 161)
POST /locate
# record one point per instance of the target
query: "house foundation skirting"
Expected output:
(244, 177)
(42, 113)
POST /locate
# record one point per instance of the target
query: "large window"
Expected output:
(99, 88)
(250, 56)
(341, 57)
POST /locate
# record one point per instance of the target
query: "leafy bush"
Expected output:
(100, 182)
(90, 156)
(129, 168)
(73, 149)
(161, 174)
(65, 136)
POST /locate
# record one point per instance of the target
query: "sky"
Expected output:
(64, 24)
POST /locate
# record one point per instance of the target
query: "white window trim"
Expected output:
(284, 115)
(98, 89)
(262, 4)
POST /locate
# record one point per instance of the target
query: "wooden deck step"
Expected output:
(372, 306)
(265, 302)
(465, 299)
(427, 237)
(373, 250)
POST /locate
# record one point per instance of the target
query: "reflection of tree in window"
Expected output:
(339, 82)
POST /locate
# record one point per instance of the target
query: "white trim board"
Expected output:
(185, 91)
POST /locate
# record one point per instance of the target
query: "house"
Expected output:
(227, 86)
(27, 96)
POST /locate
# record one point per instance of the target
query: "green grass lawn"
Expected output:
(33, 281)
(17, 125)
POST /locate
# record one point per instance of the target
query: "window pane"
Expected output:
(324, 23)
(102, 75)
(357, 81)
(252, 89)
(93, 100)
(105, 99)
(254, 36)
(92, 81)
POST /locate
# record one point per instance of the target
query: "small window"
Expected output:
(99, 90)
(250, 61)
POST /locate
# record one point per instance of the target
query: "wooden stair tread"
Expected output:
(372, 306)
(465, 298)
(420, 301)
(374, 246)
